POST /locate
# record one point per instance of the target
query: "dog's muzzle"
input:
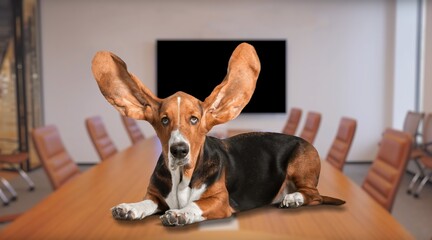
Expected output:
(180, 152)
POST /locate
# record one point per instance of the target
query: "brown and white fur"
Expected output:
(199, 177)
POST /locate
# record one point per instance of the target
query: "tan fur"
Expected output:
(215, 201)
(154, 195)
(304, 172)
(131, 98)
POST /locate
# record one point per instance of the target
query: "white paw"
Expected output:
(292, 200)
(187, 215)
(125, 211)
(134, 211)
(174, 218)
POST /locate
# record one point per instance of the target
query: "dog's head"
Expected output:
(181, 121)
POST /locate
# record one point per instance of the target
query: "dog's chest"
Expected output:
(181, 194)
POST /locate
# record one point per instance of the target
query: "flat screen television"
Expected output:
(198, 66)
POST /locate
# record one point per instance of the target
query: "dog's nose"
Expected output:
(179, 150)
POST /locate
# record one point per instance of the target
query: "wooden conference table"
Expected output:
(81, 209)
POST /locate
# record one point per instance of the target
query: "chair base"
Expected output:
(4, 199)
(9, 188)
(420, 174)
(26, 178)
(421, 185)
(24, 175)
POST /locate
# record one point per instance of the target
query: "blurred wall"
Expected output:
(339, 60)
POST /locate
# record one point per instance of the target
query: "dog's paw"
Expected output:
(292, 200)
(134, 211)
(126, 211)
(173, 218)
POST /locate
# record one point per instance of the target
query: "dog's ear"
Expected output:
(122, 89)
(230, 97)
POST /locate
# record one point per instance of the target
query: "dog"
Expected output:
(198, 177)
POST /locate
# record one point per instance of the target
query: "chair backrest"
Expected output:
(56, 161)
(292, 123)
(100, 138)
(132, 129)
(412, 122)
(427, 134)
(311, 126)
(341, 145)
(384, 176)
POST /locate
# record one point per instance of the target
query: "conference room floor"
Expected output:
(414, 214)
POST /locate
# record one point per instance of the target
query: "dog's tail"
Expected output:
(331, 201)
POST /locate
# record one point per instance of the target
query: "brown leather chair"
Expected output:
(383, 178)
(100, 138)
(132, 129)
(311, 126)
(424, 160)
(341, 145)
(292, 123)
(56, 161)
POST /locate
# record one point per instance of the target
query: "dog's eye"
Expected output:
(165, 121)
(194, 120)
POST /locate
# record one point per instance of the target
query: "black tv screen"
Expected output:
(198, 66)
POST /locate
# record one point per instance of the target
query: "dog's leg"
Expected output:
(213, 204)
(304, 173)
(300, 198)
(134, 211)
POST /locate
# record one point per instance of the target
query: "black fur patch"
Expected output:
(161, 177)
(256, 167)
(210, 164)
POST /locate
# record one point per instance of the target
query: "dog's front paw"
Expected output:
(125, 211)
(173, 218)
(134, 211)
(181, 217)
(292, 200)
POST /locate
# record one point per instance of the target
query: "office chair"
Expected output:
(424, 160)
(15, 160)
(132, 129)
(310, 129)
(341, 145)
(100, 138)
(55, 159)
(292, 123)
(383, 178)
(412, 123)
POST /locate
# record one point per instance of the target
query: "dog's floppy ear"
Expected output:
(122, 89)
(230, 97)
